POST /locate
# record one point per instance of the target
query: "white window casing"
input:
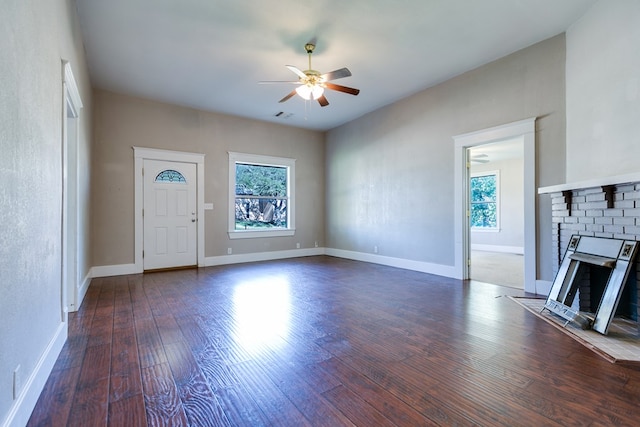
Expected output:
(260, 160)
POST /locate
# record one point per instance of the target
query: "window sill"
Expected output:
(241, 234)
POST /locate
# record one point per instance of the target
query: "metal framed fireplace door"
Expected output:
(614, 254)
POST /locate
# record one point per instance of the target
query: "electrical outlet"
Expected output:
(229, 251)
(297, 245)
(375, 249)
(316, 243)
(17, 382)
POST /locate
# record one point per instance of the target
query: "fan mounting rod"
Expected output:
(309, 47)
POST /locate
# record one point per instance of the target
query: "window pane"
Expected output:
(261, 196)
(484, 215)
(254, 213)
(484, 197)
(170, 175)
(483, 188)
(260, 180)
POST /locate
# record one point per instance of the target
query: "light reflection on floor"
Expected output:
(262, 311)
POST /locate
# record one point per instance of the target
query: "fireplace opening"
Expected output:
(629, 300)
(593, 281)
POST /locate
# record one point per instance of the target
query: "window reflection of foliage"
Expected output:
(484, 212)
(261, 180)
(255, 210)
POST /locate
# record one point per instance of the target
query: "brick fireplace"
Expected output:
(608, 211)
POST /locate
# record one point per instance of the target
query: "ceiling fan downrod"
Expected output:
(309, 47)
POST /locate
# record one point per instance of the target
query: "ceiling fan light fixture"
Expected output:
(309, 92)
(311, 84)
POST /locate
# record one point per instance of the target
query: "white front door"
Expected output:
(170, 214)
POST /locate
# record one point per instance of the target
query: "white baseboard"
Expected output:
(498, 248)
(421, 266)
(22, 407)
(82, 290)
(124, 269)
(114, 270)
(424, 267)
(261, 256)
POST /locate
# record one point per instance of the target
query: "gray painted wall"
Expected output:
(124, 121)
(603, 92)
(390, 179)
(34, 37)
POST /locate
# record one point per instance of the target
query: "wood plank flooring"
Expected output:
(322, 341)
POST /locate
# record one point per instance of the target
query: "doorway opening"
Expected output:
(524, 130)
(496, 219)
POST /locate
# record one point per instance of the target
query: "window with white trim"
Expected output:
(484, 201)
(261, 196)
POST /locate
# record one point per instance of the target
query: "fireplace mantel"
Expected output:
(591, 183)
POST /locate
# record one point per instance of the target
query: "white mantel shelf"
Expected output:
(591, 183)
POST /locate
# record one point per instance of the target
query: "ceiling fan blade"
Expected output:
(479, 158)
(273, 82)
(323, 101)
(297, 71)
(288, 96)
(339, 88)
(336, 74)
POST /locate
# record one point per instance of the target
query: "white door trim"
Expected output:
(141, 153)
(72, 104)
(526, 130)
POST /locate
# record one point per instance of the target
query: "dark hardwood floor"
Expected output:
(323, 341)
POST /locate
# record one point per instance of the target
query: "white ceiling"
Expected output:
(210, 54)
(497, 151)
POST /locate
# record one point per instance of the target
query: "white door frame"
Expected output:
(526, 130)
(72, 104)
(140, 154)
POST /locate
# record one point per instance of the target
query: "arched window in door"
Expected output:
(170, 175)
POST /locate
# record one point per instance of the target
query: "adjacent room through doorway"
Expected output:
(496, 213)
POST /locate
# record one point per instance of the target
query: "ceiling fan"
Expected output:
(311, 84)
(480, 158)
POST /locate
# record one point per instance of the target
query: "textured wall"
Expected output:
(123, 121)
(34, 37)
(390, 179)
(603, 91)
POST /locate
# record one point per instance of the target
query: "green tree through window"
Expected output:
(261, 197)
(484, 201)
